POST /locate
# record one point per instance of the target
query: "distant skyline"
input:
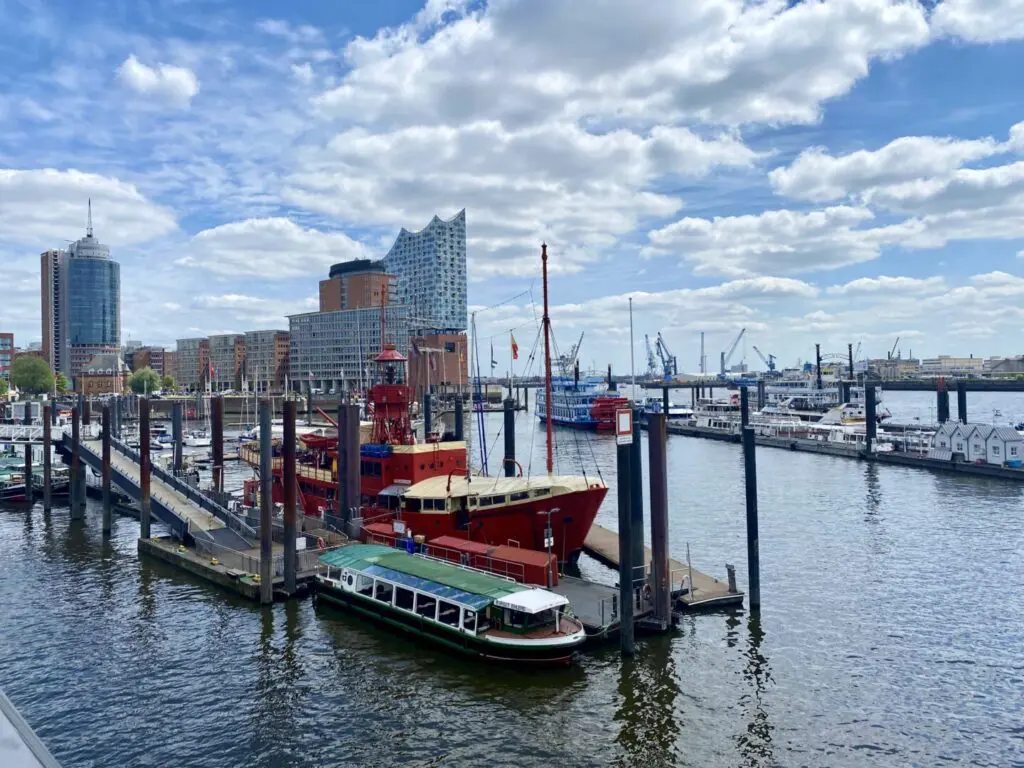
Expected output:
(849, 171)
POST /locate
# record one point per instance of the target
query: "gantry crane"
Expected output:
(652, 361)
(768, 361)
(668, 360)
(727, 356)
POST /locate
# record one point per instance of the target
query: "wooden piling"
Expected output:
(29, 490)
(744, 406)
(266, 504)
(144, 497)
(177, 437)
(661, 578)
(625, 553)
(108, 507)
(47, 460)
(217, 442)
(961, 401)
(509, 428)
(753, 551)
(289, 479)
(77, 510)
(428, 416)
(636, 503)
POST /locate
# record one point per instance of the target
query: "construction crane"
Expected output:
(652, 361)
(727, 356)
(566, 362)
(892, 351)
(768, 361)
(668, 360)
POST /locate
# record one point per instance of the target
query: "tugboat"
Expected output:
(460, 608)
(428, 485)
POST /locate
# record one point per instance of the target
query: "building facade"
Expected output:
(430, 267)
(192, 363)
(104, 374)
(357, 284)
(147, 357)
(171, 364)
(333, 350)
(227, 357)
(266, 360)
(947, 365)
(438, 362)
(6, 354)
(53, 298)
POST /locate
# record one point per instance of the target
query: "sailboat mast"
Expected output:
(547, 356)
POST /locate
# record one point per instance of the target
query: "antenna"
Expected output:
(88, 226)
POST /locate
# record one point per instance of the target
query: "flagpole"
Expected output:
(632, 363)
(511, 358)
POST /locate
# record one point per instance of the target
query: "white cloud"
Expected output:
(301, 34)
(247, 312)
(980, 21)
(303, 72)
(44, 208)
(269, 248)
(886, 286)
(174, 85)
(772, 242)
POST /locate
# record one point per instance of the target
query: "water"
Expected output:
(891, 634)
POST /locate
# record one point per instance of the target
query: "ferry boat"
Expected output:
(677, 414)
(719, 414)
(459, 608)
(428, 484)
(580, 404)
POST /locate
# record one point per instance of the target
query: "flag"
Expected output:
(494, 363)
(433, 363)
(415, 348)
(515, 348)
(310, 375)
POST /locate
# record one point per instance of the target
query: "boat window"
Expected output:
(370, 468)
(473, 501)
(364, 584)
(426, 606)
(542, 492)
(413, 505)
(515, 619)
(469, 621)
(519, 496)
(403, 598)
(448, 613)
(382, 591)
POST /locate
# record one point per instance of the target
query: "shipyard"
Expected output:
(494, 383)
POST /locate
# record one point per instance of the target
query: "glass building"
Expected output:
(94, 308)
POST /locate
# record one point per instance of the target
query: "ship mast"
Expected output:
(547, 355)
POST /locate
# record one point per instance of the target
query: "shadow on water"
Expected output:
(755, 742)
(649, 722)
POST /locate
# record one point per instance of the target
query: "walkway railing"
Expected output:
(305, 562)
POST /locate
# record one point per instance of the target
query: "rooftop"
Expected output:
(356, 266)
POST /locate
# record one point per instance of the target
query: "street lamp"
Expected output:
(549, 540)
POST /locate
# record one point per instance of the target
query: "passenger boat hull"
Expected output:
(450, 639)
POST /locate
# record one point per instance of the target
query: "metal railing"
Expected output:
(305, 561)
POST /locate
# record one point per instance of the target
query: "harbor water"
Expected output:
(891, 634)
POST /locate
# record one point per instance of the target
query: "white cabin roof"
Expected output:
(438, 487)
(1007, 434)
(532, 601)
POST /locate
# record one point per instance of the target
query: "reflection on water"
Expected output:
(649, 723)
(755, 743)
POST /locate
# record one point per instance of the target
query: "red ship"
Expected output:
(428, 486)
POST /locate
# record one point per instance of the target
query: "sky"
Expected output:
(849, 171)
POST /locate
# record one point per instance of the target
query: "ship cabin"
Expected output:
(385, 470)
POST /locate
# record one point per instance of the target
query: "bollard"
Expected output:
(961, 401)
(744, 406)
(144, 497)
(47, 458)
(625, 553)
(428, 421)
(107, 503)
(266, 503)
(753, 553)
(77, 510)
(289, 481)
(636, 504)
(217, 442)
(177, 437)
(661, 588)
(510, 438)
(730, 571)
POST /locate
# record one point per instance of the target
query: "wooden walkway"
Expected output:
(603, 545)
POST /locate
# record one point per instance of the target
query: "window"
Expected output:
(403, 598)
(382, 591)
(469, 621)
(519, 496)
(426, 606)
(1013, 450)
(448, 613)
(542, 492)
(995, 450)
(449, 346)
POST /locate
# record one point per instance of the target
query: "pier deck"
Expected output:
(19, 745)
(603, 545)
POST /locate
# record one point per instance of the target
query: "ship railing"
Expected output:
(306, 561)
(494, 566)
(463, 566)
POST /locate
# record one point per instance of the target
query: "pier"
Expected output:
(19, 745)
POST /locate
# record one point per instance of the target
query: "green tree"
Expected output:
(61, 383)
(31, 374)
(168, 383)
(4, 388)
(143, 381)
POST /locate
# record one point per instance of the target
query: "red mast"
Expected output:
(547, 355)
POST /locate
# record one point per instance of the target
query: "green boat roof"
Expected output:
(361, 556)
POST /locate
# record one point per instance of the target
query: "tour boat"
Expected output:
(428, 485)
(580, 404)
(677, 414)
(460, 608)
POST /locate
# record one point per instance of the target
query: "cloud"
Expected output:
(175, 86)
(46, 207)
(269, 248)
(773, 242)
(303, 72)
(884, 286)
(980, 21)
(295, 34)
(247, 312)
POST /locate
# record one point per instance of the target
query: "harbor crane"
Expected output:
(668, 360)
(892, 352)
(652, 361)
(727, 356)
(768, 361)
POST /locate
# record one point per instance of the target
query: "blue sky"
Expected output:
(846, 171)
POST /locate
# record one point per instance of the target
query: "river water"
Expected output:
(891, 634)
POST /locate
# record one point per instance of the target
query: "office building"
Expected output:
(146, 357)
(6, 354)
(227, 356)
(171, 364)
(53, 297)
(266, 360)
(438, 361)
(357, 284)
(430, 267)
(192, 364)
(334, 350)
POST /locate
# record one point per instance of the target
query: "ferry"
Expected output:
(460, 608)
(580, 404)
(677, 414)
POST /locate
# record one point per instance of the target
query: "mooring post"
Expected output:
(340, 462)
(47, 459)
(144, 499)
(81, 492)
(428, 416)
(53, 414)
(744, 406)
(753, 552)
(107, 502)
(177, 437)
(77, 510)
(115, 415)
(459, 417)
(217, 442)
(817, 365)
(509, 428)
(870, 422)
(266, 503)
(657, 455)
(961, 401)
(526, 399)
(762, 396)
(636, 505)
(86, 418)
(943, 405)
(664, 401)
(625, 552)
(289, 480)
(29, 490)
(352, 492)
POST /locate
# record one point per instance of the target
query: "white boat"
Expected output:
(197, 439)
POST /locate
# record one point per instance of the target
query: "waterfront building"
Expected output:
(332, 350)
(947, 365)
(53, 297)
(438, 361)
(430, 267)
(171, 364)
(979, 443)
(266, 360)
(976, 441)
(192, 362)
(357, 284)
(104, 374)
(147, 357)
(227, 357)
(6, 354)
